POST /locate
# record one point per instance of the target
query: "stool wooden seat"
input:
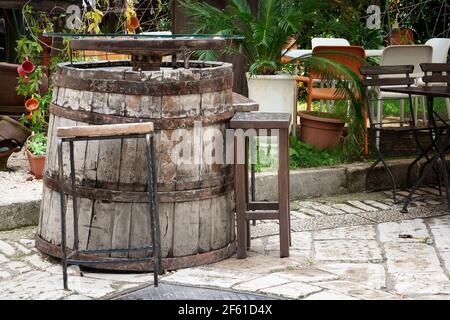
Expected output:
(246, 210)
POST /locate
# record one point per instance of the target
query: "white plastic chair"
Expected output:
(315, 42)
(441, 46)
(404, 55)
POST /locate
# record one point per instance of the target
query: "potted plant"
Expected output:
(271, 79)
(36, 149)
(271, 82)
(401, 36)
(398, 35)
(33, 86)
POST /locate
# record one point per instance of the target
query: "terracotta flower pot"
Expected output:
(12, 136)
(37, 164)
(21, 72)
(321, 132)
(402, 37)
(31, 104)
(28, 66)
(132, 24)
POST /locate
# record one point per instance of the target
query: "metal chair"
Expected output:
(441, 47)
(435, 73)
(107, 132)
(374, 78)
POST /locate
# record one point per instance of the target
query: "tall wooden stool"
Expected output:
(246, 210)
(107, 132)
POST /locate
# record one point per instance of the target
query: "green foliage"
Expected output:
(303, 155)
(38, 144)
(338, 19)
(29, 47)
(265, 33)
(94, 19)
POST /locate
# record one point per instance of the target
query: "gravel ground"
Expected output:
(19, 178)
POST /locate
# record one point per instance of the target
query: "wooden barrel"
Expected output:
(196, 206)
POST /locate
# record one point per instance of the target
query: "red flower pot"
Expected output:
(28, 66)
(31, 104)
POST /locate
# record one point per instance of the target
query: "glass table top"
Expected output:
(144, 35)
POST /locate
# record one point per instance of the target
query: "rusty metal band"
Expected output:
(160, 124)
(168, 263)
(145, 89)
(141, 196)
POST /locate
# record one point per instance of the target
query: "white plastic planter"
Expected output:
(274, 93)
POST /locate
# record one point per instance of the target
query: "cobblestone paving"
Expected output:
(349, 247)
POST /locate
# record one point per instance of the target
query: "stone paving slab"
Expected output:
(365, 232)
(347, 251)
(366, 255)
(370, 275)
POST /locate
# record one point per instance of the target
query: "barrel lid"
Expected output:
(146, 49)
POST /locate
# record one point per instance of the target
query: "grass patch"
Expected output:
(303, 155)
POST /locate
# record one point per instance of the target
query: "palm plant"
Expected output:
(265, 35)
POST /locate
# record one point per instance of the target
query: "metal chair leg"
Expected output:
(63, 214)
(388, 170)
(391, 175)
(445, 170)
(366, 177)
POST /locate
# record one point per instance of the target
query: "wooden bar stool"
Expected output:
(268, 124)
(107, 132)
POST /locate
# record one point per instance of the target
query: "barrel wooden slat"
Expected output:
(121, 229)
(101, 224)
(186, 230)
(196, 213)
(166, 224)
(205, 226)
(219, 222)
(139, 233)
(127, 164)
(84, 221)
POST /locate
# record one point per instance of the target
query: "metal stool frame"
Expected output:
(73, 258)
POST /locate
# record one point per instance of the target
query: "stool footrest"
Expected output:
(262, 215)
(263, 206)
(147, 248)
(106, 261)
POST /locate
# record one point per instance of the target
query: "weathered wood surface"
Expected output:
(105, 130)
(244, 104)
(196, 210)
(147, 46)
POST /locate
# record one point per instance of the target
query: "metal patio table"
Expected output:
(439, 145)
